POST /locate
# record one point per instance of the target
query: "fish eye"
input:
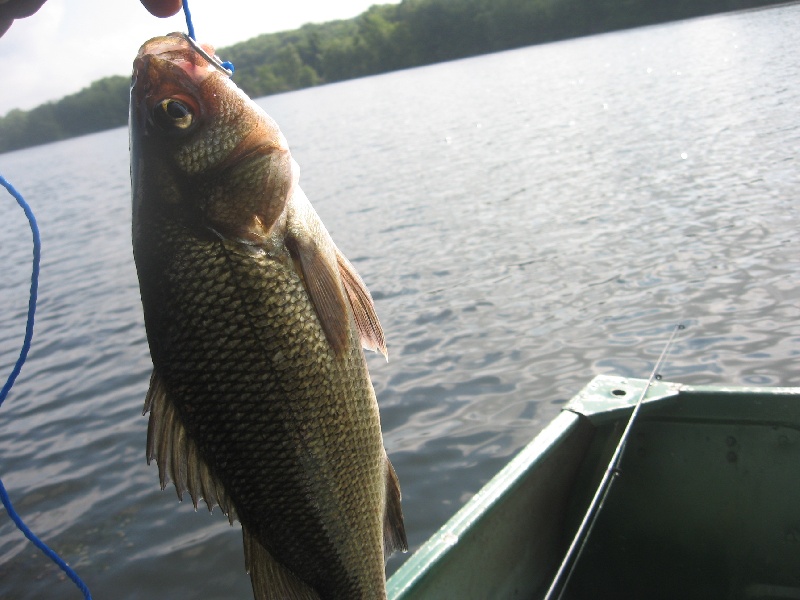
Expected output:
(172, 115)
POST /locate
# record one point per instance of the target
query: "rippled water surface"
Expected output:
(524, 220)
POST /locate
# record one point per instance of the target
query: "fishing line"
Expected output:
(601, 494)
(23, 355)
(227, 66)
(189, 24)
(26, 344)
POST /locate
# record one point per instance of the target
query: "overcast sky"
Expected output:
(70, 43)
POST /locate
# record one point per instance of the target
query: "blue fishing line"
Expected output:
(189, 25)
(190, 29)
(26, 345)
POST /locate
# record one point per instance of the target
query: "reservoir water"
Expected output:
(525, 220)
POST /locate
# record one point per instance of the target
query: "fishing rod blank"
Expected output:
(575, 550)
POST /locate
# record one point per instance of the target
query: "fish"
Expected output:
(260, 400)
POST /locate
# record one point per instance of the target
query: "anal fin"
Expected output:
(270, 579)
(394, 531)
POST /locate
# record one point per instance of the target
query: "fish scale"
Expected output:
(265, 325)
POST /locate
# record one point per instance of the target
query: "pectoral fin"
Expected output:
(177, 455)
(369, 327)
(270, 579)
(332, 282)
(321, 277)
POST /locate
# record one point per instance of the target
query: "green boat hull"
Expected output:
(706, 505)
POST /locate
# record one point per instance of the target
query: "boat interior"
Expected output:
(705, 503)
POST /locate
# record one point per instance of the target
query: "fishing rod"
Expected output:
(601, 494)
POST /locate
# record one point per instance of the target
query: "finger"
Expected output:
(17, 9)
(162, 8)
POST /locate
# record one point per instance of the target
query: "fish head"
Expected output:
(201, 150)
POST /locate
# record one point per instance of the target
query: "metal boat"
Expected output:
(705, 503)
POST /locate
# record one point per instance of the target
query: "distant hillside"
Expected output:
(384, 38)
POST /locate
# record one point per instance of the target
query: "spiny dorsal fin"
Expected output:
(321, 278)
(369, 327)
(394, 531)
(270, 579)
(177, 455)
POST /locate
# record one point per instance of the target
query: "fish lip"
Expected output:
(169, 50)
(158, 46)
(164, 43)
(180, 48)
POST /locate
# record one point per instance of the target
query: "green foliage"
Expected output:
(384, 38)
(102, 105)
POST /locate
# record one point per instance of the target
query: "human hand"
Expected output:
(19, 9)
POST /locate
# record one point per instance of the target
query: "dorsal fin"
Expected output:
(177, 455)
(270, 579)
(369, 327)
(394, 531)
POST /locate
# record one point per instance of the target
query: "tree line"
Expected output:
(384, 38)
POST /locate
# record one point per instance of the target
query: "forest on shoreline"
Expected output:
(384, 38)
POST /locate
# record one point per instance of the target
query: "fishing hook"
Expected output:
(212, 60)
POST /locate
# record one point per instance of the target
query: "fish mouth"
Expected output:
(197, 60)
(182, 50)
